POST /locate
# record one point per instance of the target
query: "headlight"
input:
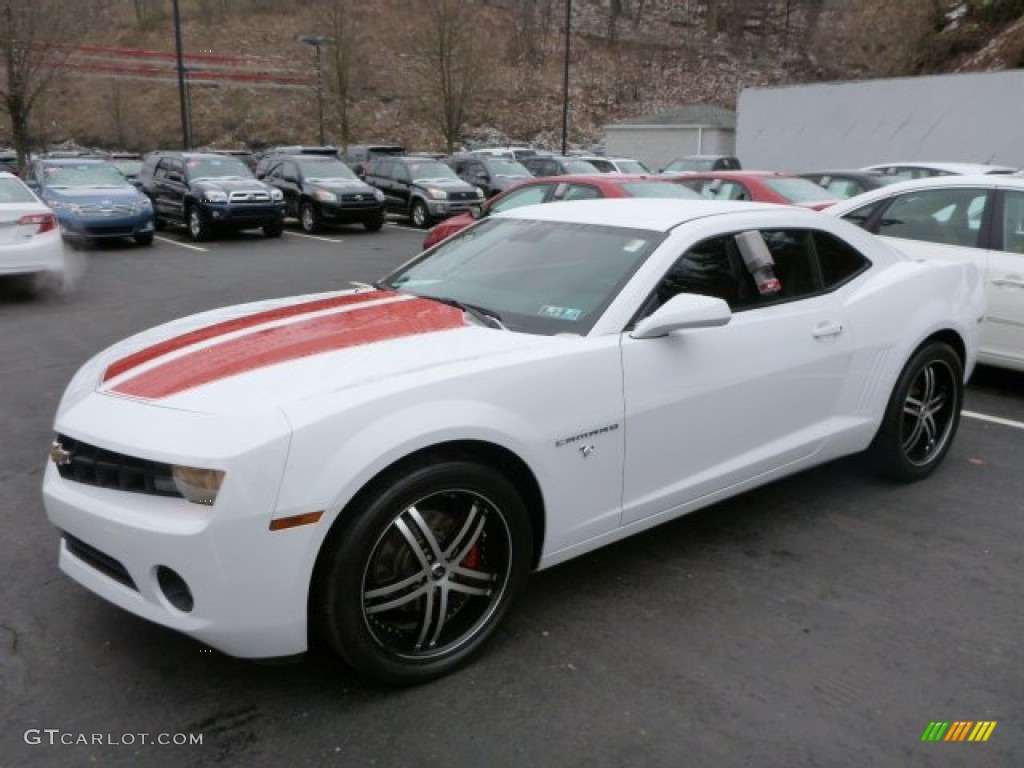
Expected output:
(54, 203)
(436, 194)
(200, 486)
(379, 195)
(142, 205)
(479, 193)
(215, 196)
(75, 208)
(324, 196)
(276, 194)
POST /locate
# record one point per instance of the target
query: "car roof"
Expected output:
(74, 160)
(739, 175)
(958, 168)
(657, 214)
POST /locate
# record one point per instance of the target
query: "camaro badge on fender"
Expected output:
(59, 455)
(591, 433)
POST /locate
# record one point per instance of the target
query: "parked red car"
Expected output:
(759, 186)
(551, 189)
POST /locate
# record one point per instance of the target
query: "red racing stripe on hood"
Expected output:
(143, 356)
(290, 342)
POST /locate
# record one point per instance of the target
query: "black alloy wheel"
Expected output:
(418, 577)
(922, 416)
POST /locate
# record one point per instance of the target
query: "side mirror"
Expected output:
(684, 311)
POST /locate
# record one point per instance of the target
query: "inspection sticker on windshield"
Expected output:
(560, 313)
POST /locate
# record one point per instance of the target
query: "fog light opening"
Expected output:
(174, 588)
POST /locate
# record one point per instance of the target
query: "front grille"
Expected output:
(91, 465)
(103, 563)
(364, 199)
(109, 210)
(101, 231)
(255, 196)
(463, 196)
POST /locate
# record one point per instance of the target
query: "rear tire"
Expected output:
(922, 416)
(419, 573)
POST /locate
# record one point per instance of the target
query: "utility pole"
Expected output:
(186, 129)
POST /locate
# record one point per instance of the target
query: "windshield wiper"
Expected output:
(484, 316)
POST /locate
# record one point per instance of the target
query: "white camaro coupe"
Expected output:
(382, 467)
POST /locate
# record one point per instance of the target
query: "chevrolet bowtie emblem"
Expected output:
(59, 455)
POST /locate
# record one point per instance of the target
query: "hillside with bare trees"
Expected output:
(437, 73)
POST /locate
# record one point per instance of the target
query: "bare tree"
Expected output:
(34, 37)
(449, 56)
(343, 26)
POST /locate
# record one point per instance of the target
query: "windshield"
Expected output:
(14, 191)
(659, 189)
(84, 175)
(632, 166)
(430, 170)
(499, 166)
(579, 166)
(688, 165)
(799, 190)
(536, 276)
(216, 168)
(325, 169)
(128, 167)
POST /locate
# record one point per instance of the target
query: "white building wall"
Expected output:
(658, 145)
(967, 118)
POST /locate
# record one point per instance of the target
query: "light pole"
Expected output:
(318, 41)
(565, 82)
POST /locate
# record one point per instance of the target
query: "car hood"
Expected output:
(256, 357)
(85, 195)
(343, 186)
(231, 185)
(457, 184)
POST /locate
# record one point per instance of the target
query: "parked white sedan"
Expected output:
(31, 248)
(972, 219)
(382, 467)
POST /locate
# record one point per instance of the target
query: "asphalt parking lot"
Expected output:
(824, 620)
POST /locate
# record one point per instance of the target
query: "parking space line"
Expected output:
(182, 245)
(313, 237)
(993, 419)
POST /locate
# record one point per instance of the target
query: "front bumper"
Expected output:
(101, 227)
(242, 216)
(249, 585)
(442, 209)
(346, 212)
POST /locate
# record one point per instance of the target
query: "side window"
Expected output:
(838, 260)
(747, 269)
(582, 192)
(725, 190)
(535, 193)
(400, 172)
(861, 216)
(843, 188)
(950, 216)
(1013, 221)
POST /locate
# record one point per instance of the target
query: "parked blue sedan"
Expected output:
(92, 200)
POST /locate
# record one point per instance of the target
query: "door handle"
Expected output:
(827, 328)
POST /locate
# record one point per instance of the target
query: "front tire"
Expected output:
(922, 416)
(198, 229)
(309, 219)
(144, 239)
(273, 229)
(418, 575)
(420, 215)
